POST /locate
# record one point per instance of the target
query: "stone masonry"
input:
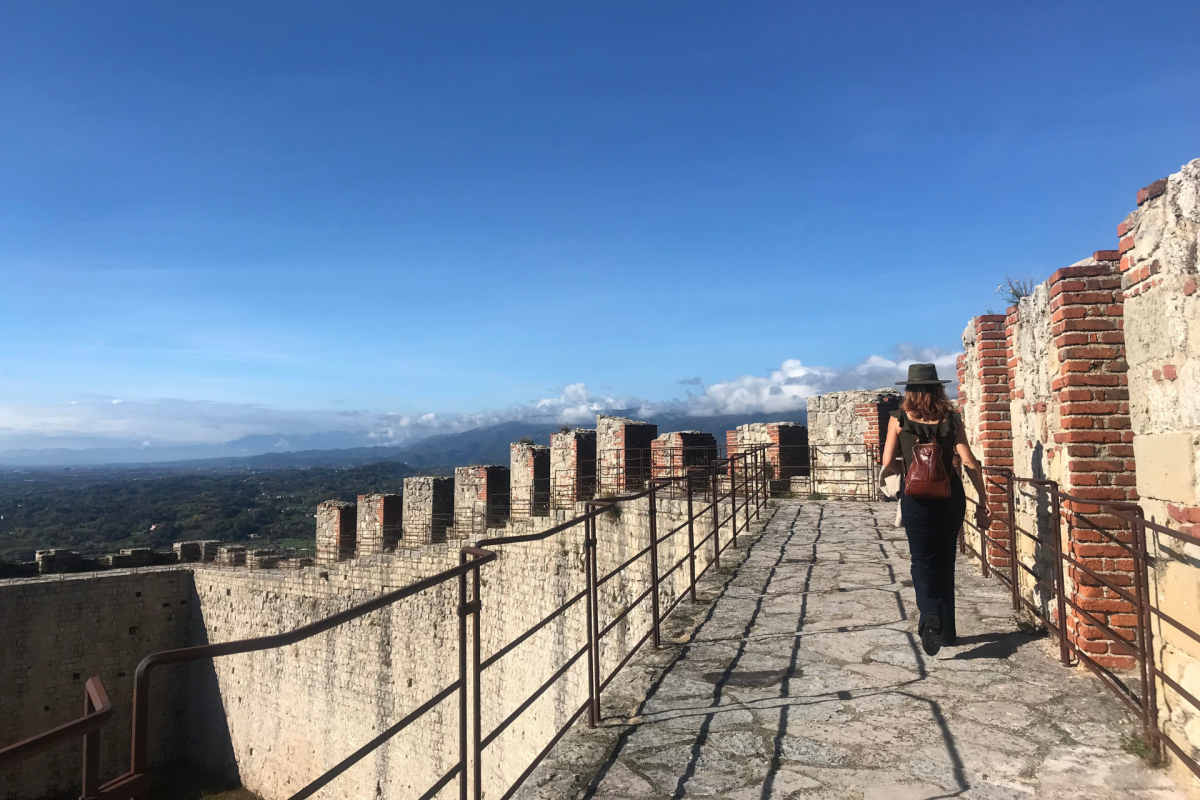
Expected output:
(481, 499)
(428, 510)
(844, 437)
(805, 679)
(1160, 267)
(1100, 396)
(673, 454)
(378, 522)
(572, 466)
(336, 529)
(529, 466)
(623, 453)
(787, 456)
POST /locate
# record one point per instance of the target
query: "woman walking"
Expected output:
(927, 432)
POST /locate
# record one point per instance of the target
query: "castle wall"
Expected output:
(337, 527)
(55, 633)
(529, 467)
(378, 521)
(623, 454)
(428, 510)
(1160, 269)
(357, 680)
(572, 467)
(844, 436)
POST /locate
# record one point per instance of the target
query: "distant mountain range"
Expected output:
(487, 445)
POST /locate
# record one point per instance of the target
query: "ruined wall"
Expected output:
(1032, 363)
(572, 467)
(529, 466)
(622, 454)
(428, 510)
(481, 499)
(55, 633)
(786, 454)
(844, 435)
(1160, 269)
(357, 680)
(378, 518)
(337, 527)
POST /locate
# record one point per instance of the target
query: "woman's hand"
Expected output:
(982, 520)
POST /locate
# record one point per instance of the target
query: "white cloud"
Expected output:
(114, 422)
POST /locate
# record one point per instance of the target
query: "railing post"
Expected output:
(1013, 569)
(462, 681)
(589, 554)
(755, 482)
(1141, 577)
(1060, 582)
(691, 538)
(91, 754)
(733, 499)
(716, 517)
(984, 539)
(477, 709)
(654, 563)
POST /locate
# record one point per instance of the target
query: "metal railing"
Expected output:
(1110, 524)
(730, 510)
(96, 711)
(844, 470)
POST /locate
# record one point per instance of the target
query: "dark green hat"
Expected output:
(921, 375)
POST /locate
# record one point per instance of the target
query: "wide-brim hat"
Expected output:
(921, 375)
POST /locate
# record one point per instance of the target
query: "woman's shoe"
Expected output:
(931, 636)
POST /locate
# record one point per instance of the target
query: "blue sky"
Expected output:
(310, 209)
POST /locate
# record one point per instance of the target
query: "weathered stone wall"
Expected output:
(529, 480)
(481, 499)
(622, 454)
(428, 510)
(572, 467)
(786, 454)
(673, 454)
(276, 719)
(337, 527)
(1032, 363)
(843, 434)
(379, 521)
(55, 633)
(1160, 269)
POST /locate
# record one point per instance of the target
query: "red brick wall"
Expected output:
(995, 424)
(1095, 438)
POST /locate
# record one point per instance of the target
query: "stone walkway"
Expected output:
(805, 679)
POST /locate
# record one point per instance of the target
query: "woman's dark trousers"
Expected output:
(932, 527)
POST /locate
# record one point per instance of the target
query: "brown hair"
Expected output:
(926, 402)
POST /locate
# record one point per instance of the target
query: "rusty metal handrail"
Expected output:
(1075, 510)
(97, 710)
(753, 498)
(753, 490)
(131, 784)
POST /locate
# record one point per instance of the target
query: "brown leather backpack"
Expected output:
(927, 476)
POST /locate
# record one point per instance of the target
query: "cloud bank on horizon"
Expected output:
(117, 423)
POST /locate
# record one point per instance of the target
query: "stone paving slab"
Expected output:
(800, 675)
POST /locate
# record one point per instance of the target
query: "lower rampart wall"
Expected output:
(277, 719)
(55, 633)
